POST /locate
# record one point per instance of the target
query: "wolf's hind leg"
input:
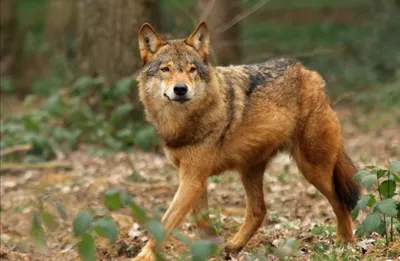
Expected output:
(320, 157)
(252, 180)
(321, 176)
(202, 218)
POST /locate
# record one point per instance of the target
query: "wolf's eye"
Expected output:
(165, 69)
(192, 70)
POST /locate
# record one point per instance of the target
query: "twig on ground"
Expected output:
(4, 167)
(15, 149)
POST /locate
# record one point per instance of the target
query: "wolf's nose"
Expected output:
(180, 89)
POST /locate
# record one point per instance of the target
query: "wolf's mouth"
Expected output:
(180, 100)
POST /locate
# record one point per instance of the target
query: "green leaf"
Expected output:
(145, 137)
(83, 84)
(106, 227)
(123, 86)
(371, 201)
(368, 181)
(372, 222)
(48, 220)
(361, 174)
(156, 229)
(202, 249)
(61, 209)
(121, 112)
(138, 213)
(381, 229)
(116, 198)
(37, 235)
(126, 199)
(394, 177)
(398, 211)
(367, 200)
(388, 207)
(395, 167)
(354, 212)
(382, 172)
(82, 223)
(374, 170)
(32, 123)
(176, 234)
(87, 248)
(360, 231)
(387, 188)
(112, 199)
(54, 105)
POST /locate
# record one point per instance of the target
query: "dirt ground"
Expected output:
(294, 206)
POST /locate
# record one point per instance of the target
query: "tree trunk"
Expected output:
(107, 36)
(8, 36)
(59, 29)
(60, 22)
(224, 38)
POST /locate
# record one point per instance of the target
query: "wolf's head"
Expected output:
(174, 71)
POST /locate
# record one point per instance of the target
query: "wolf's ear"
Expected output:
(200, 40)
(149, 42)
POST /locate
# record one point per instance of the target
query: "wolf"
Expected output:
(213, 119)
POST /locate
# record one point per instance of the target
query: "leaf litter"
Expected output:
(295, 208)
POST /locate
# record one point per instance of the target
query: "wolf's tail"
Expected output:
(347, 190)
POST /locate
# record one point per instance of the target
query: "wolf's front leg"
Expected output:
(191, 186)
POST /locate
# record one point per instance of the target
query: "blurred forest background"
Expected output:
(68, 66)
(72, 126)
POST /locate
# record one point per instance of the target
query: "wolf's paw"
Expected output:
(233, 246)
(231, 249)
(145, 255)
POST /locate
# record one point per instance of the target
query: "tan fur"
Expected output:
(237, 119)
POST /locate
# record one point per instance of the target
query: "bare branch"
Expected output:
(41, 165)
(207, 10)
(15, 149)
(242, 16)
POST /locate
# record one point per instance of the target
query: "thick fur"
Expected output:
(237, 118)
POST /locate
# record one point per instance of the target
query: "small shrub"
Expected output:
(385, 210)
(90, 224)
(90, 112)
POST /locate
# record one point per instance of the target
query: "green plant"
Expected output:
(45, 205)
(322, 231)
(92, 223)
(90, 112)
(200, 250)
(382, 185)
(288, 248)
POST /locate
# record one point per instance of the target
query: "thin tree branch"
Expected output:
(242, 16)
(207, 11)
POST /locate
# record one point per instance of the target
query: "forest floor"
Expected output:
(295, 208)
